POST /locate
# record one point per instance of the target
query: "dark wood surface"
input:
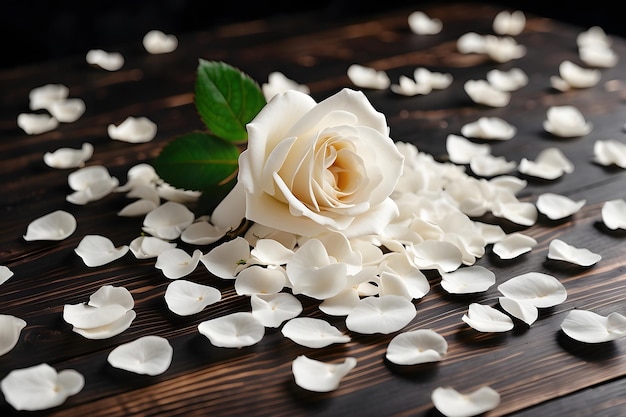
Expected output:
(537, 369)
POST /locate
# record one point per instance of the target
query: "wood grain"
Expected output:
(537, 369)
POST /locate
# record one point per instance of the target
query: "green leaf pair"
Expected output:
(226, 100)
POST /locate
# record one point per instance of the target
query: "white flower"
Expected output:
(10, 329)
(366, 77)
(40, 387)
(68, 157)
(278, 83)
(421, 24)
(566, 121)
(57, 225)
(133, 130)
(452, 403)
(509, 23)
(312, 167)
(148, 355)
(110, 61)
(417, 346)
(157, 42)
(317, 376)
(589, 327)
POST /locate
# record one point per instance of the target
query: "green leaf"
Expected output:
(226, 99)
(212, 196)
(196, 161)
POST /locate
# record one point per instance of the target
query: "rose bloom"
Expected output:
(313, 167)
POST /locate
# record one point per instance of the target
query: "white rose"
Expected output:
(312, 167)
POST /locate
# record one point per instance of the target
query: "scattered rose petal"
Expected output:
(186, 298)
(34, 123)
(227, 260)
(578, 77)
(409, 87)
(503, 48)
(5, 274)
(614, 214)
(260, 280)
(138, 208)
(10, 329)
(561, 251)
(461, 150)
(598, 56)
(90, 183)
(471, 43)
(509, 23)
(145, 247)
(40, 387)
(510, 80)
(68, 110)
(471, 279)
(42, 97)
(514, 245)
(278, 83)
(273, 309)
(148, 355)
(521, 309)
(493, 128)
(178, 195)
(96, 250)
(556, 206)
(416, 346)
(436, 80)
(110, 61)
(133, 130)
(68, 157)
(202, 233)
(481, 92)
(176, 263)
(157, 42)
(271, 252)
(492, 233)
(593, 36)
(440, 255)
(550, 164)
(234, 330)
(485, 318)
(313, 333)
(317, 376)
(385, 314)
(452, 403)
(610, 152)
(589, 327)
(566, 121)
(168, 220)
(112, 329)
(57, 225)
(421, 24)
(542, 290)
(491, 166)
(366, 77)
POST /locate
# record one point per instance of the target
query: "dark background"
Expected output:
(38, 30)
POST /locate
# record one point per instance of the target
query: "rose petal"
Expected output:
(34, 124)
(422, 24)
(186, 298)
(610, 152)
(514, 245)
(273, 309)
(589, 327)
(5, 274)
(176, 263)
(259, 280)
(168, 220)
(542, 290)
(439, 255)
(57, 225)
(561, 251)
(509, 23)
(68, 157)
(133, 130)
(96, 250)
(145, 247)
(549, 164)
(461, 150)
(366, 77)
(493, 128)
(313, 333)
(278, 83)
(451, 403)
(522, 309)
(157, 42)
(10, 329)
(202, 233)
(556, 206)
(485, 318)
(566, 121)
(510, 80)
(109, 330)
(415, 347)
(234, 330)
(68, 110)
(385, 314)
(614, 214)
(481, 92)
(227, 259)
(317, 376)
(110, 61)
(148, 355)
(42, 97)
(471, 279)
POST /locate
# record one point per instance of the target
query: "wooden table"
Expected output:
(537, 369)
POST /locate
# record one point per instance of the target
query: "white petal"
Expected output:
(510, 80)
(273, 309)
(385, 314)
(40, 387)
(57, 225)
(68, 110)
(409, 87)
(550, 164)
(10, 329)
(259, 280)
(148, 355)
(202, 233)
(610, 152)
(589, 327)
(111, 295)
(178, 195)
(417, 346)
(481, 92)
(594, 36)
(342, 303)
(577, 76)
(509, 23)
(514, 245)
(168, 220)
(614, 214)
(503, 48)
(278, 83)
(522, 309)
(366, 77)
(90, 183)
(42, 97)
(421, 24)
(137, 208)
(598, 56)
(436, 80)
(556, 206)
(186, 298)
(471, 279)
(34, 124)
(491, 166)
(493, 128)
(451, 403)
(461, 150)
(233, 331)
(109, 330)
(566, 121)
(487, 319)
(313, 333)
(542, 290)
(492, 233)
(110, 61)
(470, 43)
(561, 251)
(68, 157)
(145, 247)
(313, 375)
(133, 130)
(271, 252)
(83, 316)
(227, 259)
(439, 255)
(176, 263)
(96, 250)
(5, 274)
(157, 42)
